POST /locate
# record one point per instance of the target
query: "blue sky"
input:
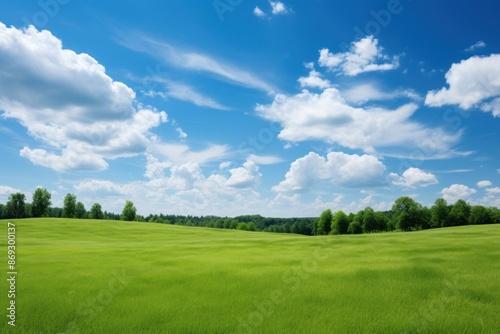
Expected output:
(279, 108)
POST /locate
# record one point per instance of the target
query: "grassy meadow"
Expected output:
(84, 276)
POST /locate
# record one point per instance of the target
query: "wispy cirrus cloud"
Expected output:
(184, 92)
(265, 159)
(360, 94)
(476, 46)
(193, 61)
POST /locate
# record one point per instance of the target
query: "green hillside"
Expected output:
(84, 276)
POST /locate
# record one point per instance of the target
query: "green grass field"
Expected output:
(83, 276)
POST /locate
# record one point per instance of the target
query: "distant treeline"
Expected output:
(405, 215)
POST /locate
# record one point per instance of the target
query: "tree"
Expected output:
(340, 223)
(69, 206)
(355, 227)
(219, 223)
(96, 211)
(242, 227)
(460, 212)
(407, 214)
(233, 225)
(494, 214)
(28, 210)
(369, 221)
(41, 203)
(479, 215)
(425, 218)
(404, 222)
(80, 210)
(440, 213)
(381, 220)
(391, 224)
(55, 212)
(325, 222)
(15, 205)
(129, 211)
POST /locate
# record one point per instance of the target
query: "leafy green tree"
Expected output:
(355, 227)
(129, 211)
(69, 206)
(460, 212)
(479, 215)
(494, 214)
(16, 204)
(242, 226)
(381, 220)
(340, 223)
(41, 203)
(391, 224)
(27, 210)
(440, 213)
(80, 210)
(96, 211)
(407, 214)
(404, 222)
(425, 219)
(325, 222)
(233, 225)
(55, 212)
(369, 221)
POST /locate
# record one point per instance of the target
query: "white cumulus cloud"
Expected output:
(67, 101)
(278, 7)
(244, 177)
(337, 168)
(181, 189)
(413, 178)
(484, 184)
(258, 12)
(493, 191)
(492, 197)
(102, 186)
(327, 116)
(456, 192)
(472, 83)
(365, 55)
(314, 79)
(6, 190)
